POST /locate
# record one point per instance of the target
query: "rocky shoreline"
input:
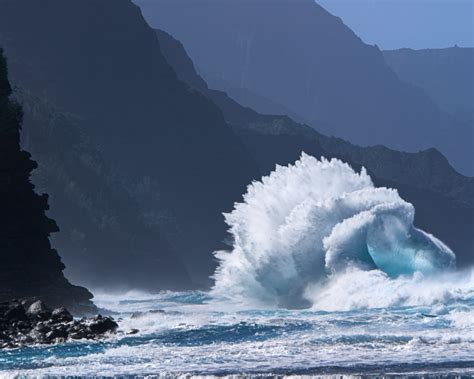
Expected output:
(30, 322)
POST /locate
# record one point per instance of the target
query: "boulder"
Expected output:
(38, 325)
(39, 310)
(59, 333)
(4, 338)
(102, 325)
(61, 315)
(15, 312)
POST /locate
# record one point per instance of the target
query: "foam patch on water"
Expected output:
(358, 289)
(308, 223)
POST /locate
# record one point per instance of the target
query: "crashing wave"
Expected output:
(311, 221)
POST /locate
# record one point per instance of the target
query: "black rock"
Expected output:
(102, 325)
(38, 325)
(133, 331)
(61, 315)
(60, 333)
(78, 335)
(15, 312)
(4, 338)
(39, 310)
(41, 329)
(29, 265)
(22, 325)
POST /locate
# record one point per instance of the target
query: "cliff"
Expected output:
(99, 60)
(109, 231)
(425, 179)
(300, 56)
(29, 266)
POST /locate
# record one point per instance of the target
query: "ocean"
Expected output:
(191, 334)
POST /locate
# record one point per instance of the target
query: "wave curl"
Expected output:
(309, 222)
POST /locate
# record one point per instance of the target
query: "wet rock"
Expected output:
(38, 325)
(22, 325)
(132, 331)
(78, 335)
(60, 333)
(14, 312)
(39, 310)
(61, 315)
(102, 325)
(4, 338)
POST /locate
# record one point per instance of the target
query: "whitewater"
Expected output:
(326, 275)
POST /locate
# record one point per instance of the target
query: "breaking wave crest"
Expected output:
(305, 227)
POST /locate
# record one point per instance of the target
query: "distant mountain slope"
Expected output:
(29, 266)
(107, 236)
(100, 60)
(447, 76)
(427, 169)
(297, 54)
(426, 179)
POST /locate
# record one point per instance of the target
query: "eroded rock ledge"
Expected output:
(28, 322)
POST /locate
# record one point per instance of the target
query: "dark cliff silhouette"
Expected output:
(297, 54)
(426, 179)
(29, 267)
(112, 229)
(446, 75)
(100, 60)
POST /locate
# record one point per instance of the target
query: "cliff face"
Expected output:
(109, 231)
(446, 75)
(100, 60)
(425, 179)
(29, 266)
(297, 54)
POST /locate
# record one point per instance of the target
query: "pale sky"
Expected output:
(408, 23)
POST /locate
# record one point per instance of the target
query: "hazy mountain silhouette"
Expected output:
(446, 75)
(426, 178)
(29, 266)
(299, 55)
(110, 229)
(100, 60)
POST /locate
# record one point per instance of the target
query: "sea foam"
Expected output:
(307, 224)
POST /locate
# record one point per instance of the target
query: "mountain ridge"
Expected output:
(423, 178)
(316, 67)
(446, 75)
(134, 109)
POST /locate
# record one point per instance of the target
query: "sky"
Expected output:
(417, 24)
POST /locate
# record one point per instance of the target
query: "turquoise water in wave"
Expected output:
(191, 334)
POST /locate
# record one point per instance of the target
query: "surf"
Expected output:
(306, 224)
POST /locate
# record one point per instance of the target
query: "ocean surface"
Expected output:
(327, 275)
(189, 333)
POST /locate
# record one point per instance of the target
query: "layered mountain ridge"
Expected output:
(299, 55)
(446, 75)
(426, 178)
(99, 60)
(141, 157)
